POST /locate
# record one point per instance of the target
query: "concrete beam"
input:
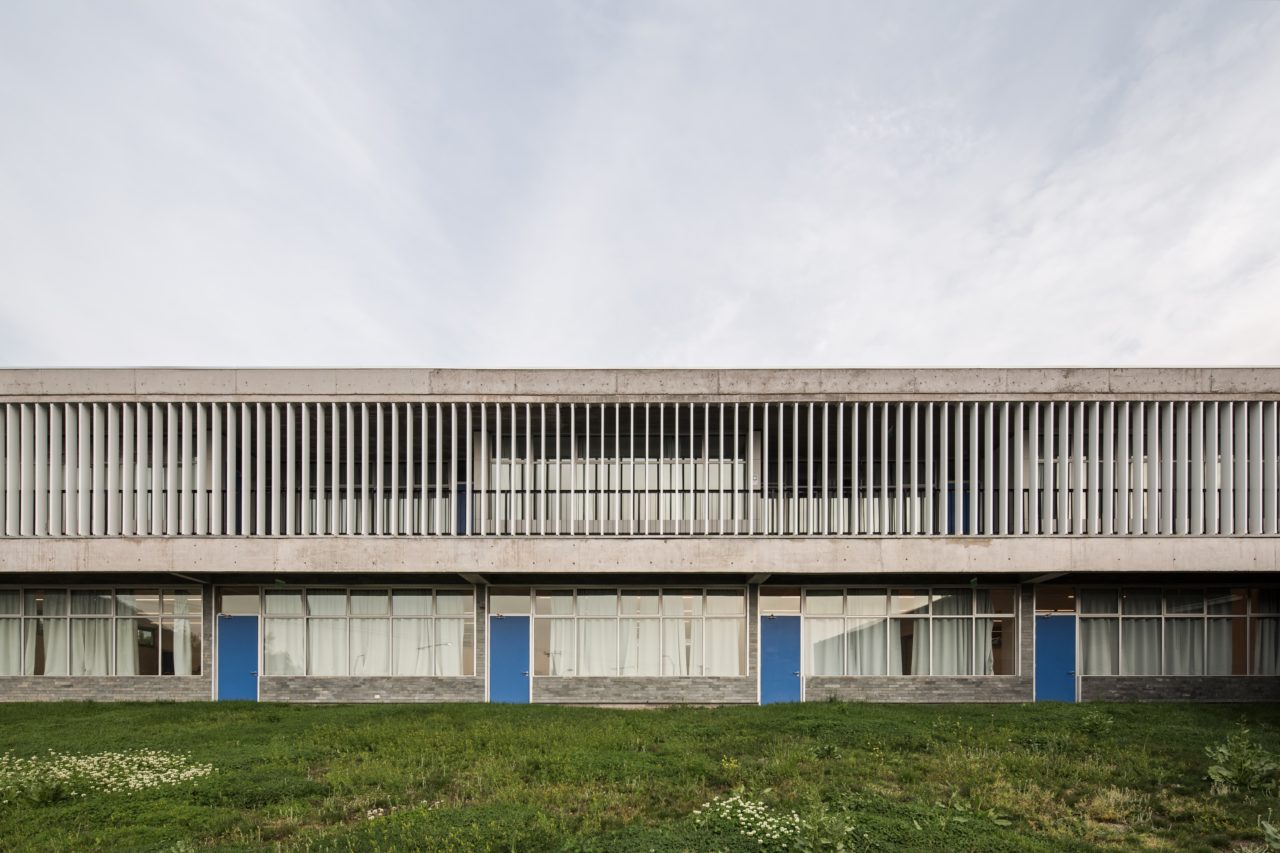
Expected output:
(597, 555)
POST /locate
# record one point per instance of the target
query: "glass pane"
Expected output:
(47, 646)
(1140, 646)
(867, 602)
(1233, 601)
(1140, 602)
(553, 603)
(909, 647)
(824, 602)
(996, 601)
(553, 647)
(413, 647)
(10, 602)
(414, 602)
(681, 646)
(824, 653)
(681, 602)
(137, 647)
(1266, 646)
(1056, 599)
(240, 602)
(326, 602)
(180, 647)
(727, 602)
(509, 601)
(182, 602)
(726, 647)
(454, 655)
(952, 602)
(597, 602)
(46, 603)
(1184, 647)
(866, 651)
(284, 645)
(141, 602)
(597, 646)
(1266, 600)
(370, 646)
(284, 602)
(91, 645)
(1099, 601)
(369, 602)
(641, 646)
(454, 602)
(639, 602)
(1184, 601)
(905, 601)
(1228, 647)
(952, 647)
(91, 602)
(777, 599)
(1100, 646)
(11, 647)
(997, 646)
(326, 646)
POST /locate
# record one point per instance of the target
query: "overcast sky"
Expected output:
(641, 184)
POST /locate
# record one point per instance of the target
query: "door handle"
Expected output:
(525, 674)
(255, 672)
(796, 674)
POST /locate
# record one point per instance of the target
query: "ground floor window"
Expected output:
(639, 632)
(396, 632)
(1179, 631)
(81, 632)
(911, 631)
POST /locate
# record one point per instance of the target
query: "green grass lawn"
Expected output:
(473, 777)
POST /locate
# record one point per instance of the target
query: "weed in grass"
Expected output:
(1240, 763)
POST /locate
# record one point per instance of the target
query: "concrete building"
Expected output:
(639, 536)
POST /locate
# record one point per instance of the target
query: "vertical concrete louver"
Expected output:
(791, 468)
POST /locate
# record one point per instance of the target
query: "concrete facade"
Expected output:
(146, 537)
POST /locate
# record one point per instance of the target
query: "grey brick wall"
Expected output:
(302, 688)
(1179, 688)
(632, 690)
(910, 688)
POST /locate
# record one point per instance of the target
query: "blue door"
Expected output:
(509, 659)
(238, 657)
(1056, 657)
(779, 659)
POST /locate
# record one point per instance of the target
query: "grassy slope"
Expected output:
(478, 777)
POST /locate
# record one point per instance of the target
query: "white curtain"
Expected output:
(54, 634)
(681, 646)
(10, 646)
(641, 647)
(1266, 647)
(370, 647)
(90, 646)
(127, 646)
(413, 647)
(182, 657)
(952, 647)
(597, 647)
(724, 646)
(326, 646)
(285, 646)
(986, 647)
(1100, 646)
(1184, 646)
(559, 650)
(865, 646)
(825, 651)
(451, 647)
(1221, 657)
(1140, 648)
